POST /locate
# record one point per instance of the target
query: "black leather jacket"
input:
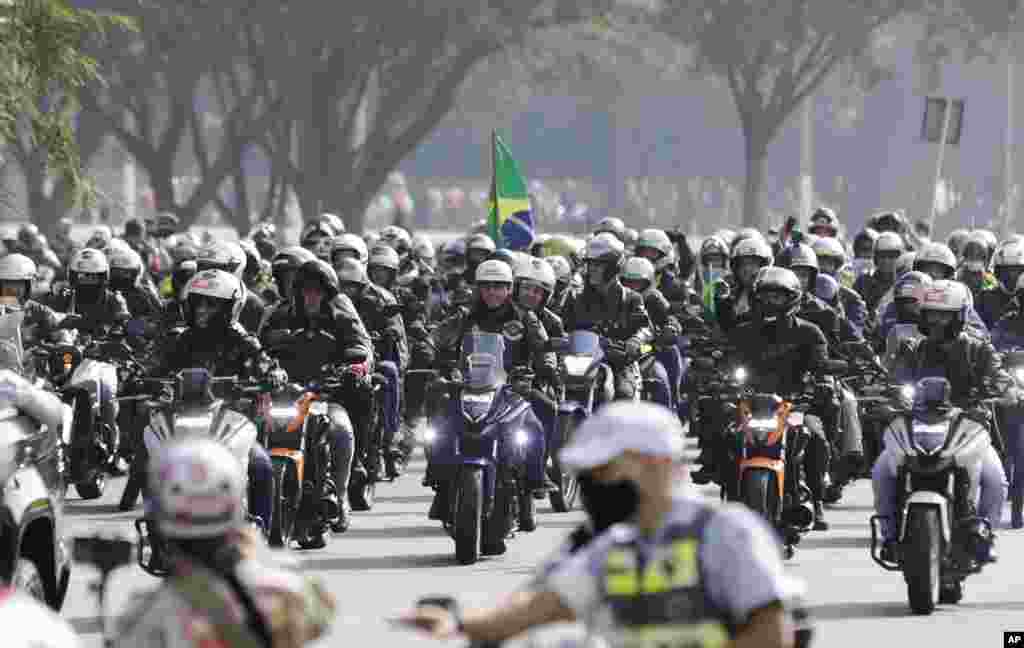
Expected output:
(619, 313)
(98, 316)
(370, 305)
(231, 352)
(337, 317)
(525, 336)
(966, 362)
(779, 355)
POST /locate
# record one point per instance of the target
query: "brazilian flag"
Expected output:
(510, 222)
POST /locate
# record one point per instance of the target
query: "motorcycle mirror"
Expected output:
(445, 602)
(147, 554)
(558, 344)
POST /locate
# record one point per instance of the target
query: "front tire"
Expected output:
(563, 499)
(922, 554)
(469, 504)
(282, 512)
(760, 493)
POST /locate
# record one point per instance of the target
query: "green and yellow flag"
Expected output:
(510, 221)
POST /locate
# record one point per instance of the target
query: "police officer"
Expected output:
(683, 569)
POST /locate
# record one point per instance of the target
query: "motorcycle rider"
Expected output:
(1008, 334)
(318, 303)
(655, 246)
(864, 252)
(712, 265)
(906, 304)
(349, 246)
(872, 287)
(17, 272)
(479, 248)
(63, 245)
(639, 275)
(230, 257)
(318, 237)
(174, 306)
(494, 311)
(561, 297)
(779, 349)
(824, 223)
(222, 589)
(1008, 265)
(372, 303)
(967, 362)
(256, 276)
(127, 277)
(618, 583)
(734, 292)
(617, 312)
(938, 261)
(213, 339)
(974, 266)
(612, 225)
(831, 261)
(93, 308)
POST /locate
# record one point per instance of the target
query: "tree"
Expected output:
(364, 83)
(773, 56)
(184, 68)
(42, 69)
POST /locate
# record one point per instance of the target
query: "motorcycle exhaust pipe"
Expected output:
(800, 516)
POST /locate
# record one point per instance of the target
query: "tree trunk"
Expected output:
(756, 151)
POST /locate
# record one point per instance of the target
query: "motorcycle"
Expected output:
(587, 381)
(351, 384)
(79, 368)
(189, 412)
(764, 447)
(479, 450)
(305, 497)
(1013, 362)
(938, 530)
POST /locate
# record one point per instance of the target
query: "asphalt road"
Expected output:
(393, 554)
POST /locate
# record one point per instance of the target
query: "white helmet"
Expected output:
(494, 271)
(1009, 255)
(125, 266)
(889, 242)
(829, 247)
(216, 284)
(944, 295)
(656, 239)
(384, 255)
(89, 266)
(423, 249)
(198, 486)
(904, 263)
(538, 272)
(351, 271)
(938, 253)
(638, 269)
(17, 267)
(350, 243)
(398, 238)
(222, 255)
(561, 267)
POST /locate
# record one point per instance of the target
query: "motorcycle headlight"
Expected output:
(427, 435)
(522, 438)
(907, 392)
(740, 375)
(576, 365)
(283, 412)
(1018, 373)
(193, 424)
(760, 429)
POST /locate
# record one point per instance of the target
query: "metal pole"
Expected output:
(807, 159)
(1008, 174)
(938, 163)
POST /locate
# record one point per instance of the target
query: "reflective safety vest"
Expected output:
(659, 601)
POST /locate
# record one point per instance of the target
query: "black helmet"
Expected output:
(286, 263)
(781, 281)
(865, 242)
(889, 222)
(320, 272)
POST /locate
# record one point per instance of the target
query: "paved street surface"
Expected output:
(393, 554)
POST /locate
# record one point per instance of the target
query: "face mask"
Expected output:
(608, 504)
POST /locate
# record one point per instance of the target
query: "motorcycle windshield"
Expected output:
(931, 436)
(483, 360)
(584, 343)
